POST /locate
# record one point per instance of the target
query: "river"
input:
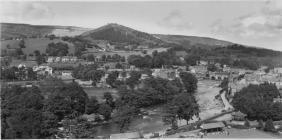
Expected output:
(209, 106)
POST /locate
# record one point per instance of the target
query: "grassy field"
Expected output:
(99, 92)
(33, 44)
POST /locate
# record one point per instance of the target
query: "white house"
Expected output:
(43, 70)
(58, 59)
(50, 59)
(277, 70)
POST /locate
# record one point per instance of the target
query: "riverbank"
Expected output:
(205, 95)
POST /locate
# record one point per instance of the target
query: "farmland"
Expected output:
(33, 44)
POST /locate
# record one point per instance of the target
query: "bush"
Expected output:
(269, 126)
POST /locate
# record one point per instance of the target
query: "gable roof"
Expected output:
(131, 135)
(212, 125)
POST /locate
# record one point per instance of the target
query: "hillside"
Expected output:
(33, 44)
(187, 41)
(12, 30)
(120, 34)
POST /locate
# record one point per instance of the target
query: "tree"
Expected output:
(21, 112)
(90, 57)
(224, 86)
(67, 100)
(191, 59)
(133, 79)
(170, 116)
(22, 44)
(118, 66)
(124, 116)
(186, 106)
(112, 78)
(109, 99)
(19, 51)
(189, 81)
(105, 110)
(257, 101)
(57, 49)
(36, 52)
(51, 37)
(49, 126)
(92, 105)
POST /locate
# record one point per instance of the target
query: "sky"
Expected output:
(250, 22)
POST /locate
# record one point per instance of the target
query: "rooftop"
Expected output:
(130, 135)
(212, 125)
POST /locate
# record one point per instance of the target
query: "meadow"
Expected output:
(33, 44)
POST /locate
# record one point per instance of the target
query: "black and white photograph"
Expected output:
(141, 69)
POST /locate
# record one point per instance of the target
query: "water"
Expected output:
(153, 122)
(145, 124)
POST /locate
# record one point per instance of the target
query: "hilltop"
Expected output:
(120, 34)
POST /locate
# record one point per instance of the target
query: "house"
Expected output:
(65, 59)
(84, 83)
(169, 74)
(201, 69)
(51, 59)
(238, 116)
(74, 59)
(218, 65)
(203, 63)
(277, 70)
(212, 127)
(218, 76)
(57, 59)
(141, 47)
(98, 58)
(279, 100)
(42, 70)
(66, 73)
(130, 135)
(226, 68)
(144, 76)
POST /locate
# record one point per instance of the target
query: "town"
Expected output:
(116, 82)
(102, 78)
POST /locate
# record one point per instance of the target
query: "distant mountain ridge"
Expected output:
(13, 30)
(111, 33)
(118, 33)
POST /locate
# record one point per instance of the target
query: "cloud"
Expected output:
(25, 12)
(175, 20)
(266, 23)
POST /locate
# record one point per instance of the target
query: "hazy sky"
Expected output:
(257, 23)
